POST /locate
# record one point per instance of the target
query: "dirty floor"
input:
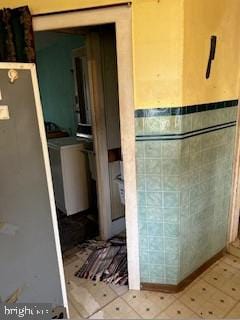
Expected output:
(215, 294)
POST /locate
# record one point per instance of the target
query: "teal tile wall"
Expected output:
(184, 191)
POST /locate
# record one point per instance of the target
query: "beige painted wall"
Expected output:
(171, 40)
(203, 18)
(158, 45)
(157, 41)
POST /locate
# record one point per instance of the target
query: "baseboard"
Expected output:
(169, 288)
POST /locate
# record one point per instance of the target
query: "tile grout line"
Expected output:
(102, 307)
(113, 301)
(237, 302)
(221, 290)
(213, 304)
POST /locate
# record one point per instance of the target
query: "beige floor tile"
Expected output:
(192, 284)
(201, 289)
(208, 310)
(226, 278)
(232, 289)
(232, 261)
(208, 303)
(73, 312)
(71, 268)
(84, 254)
(223, 301)
(87, 297)
(177, 310)
(148, 304)
(234, 313)
(118, 309)
(213, 295)
(120, 290)
(70, 252)
(70, 259)
(221, 273)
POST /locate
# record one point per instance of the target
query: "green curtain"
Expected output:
(16, 35)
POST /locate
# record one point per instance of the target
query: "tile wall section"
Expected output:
(184, 173)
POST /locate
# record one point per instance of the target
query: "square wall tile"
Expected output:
(153, 182)
(144, 272)
(139, 130)
(153, 166)
(153, 125)
(140, 182)
(172, 257)
(153, 149)
(170, 183)
(141, 198)
(172, 245)
(171, 199)
(155, 229)
(142, 215)
(171, 230)
(157, 273)
(156, 243)
(143, 230)
(171, 149)
(140, 145)
(143, 243)
(154, 199)
(140, 166)
(144, 256)
(171, 215)
(156, 257)
(154, 214)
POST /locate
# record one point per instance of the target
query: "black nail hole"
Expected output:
(233, 289)
(210, 312)
(94, 284)
(201, 313)
(104, 295)
(222, 300)
(234, 260)
(224, 269)
(192, 299)
(68, 282)
(147, 309)
(76, 266)
(117, 309)
(162, 298)
(215, 278)
(204, 289)
(134, 297)
(179, 312)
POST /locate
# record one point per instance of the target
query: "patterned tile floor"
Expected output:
(215, 294)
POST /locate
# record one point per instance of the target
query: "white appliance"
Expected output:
(70, 174)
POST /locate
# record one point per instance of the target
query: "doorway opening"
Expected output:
(121, 16)
(78, 81)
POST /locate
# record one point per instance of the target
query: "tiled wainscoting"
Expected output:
(184, 175)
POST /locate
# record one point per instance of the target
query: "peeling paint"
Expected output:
(13, 298)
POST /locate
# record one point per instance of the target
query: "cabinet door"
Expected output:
(31, 261)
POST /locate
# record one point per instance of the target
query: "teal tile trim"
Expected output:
(175, 111)
(185, 135)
